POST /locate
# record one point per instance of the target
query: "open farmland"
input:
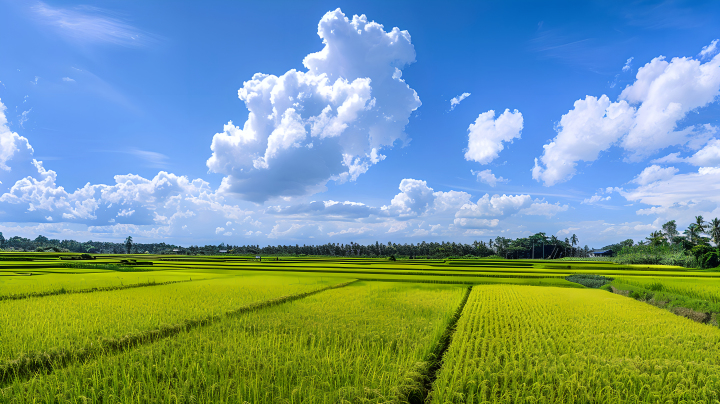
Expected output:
(237, 329)
(519, 344)
(355, 343)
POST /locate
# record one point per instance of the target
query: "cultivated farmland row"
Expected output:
(362, 342)
(517, 344)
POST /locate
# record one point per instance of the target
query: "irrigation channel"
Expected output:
(119, 328)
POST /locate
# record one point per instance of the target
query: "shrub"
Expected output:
(590, 281)
(699, 251)
(710, 260)
(656, 287)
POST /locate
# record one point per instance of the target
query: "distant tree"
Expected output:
(42, 240)
(714, 231)
(700, 224)
(2, 240)
(128, 244)
(574, 241)
(670, 231)
(657, 238)
(692, 233)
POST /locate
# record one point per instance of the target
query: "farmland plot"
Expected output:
(519, 344)
(21, 283)
(357, 343)
(70, 322)
(696, 288)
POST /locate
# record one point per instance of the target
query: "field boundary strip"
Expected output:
(46, 362)
(64, 291)
(418, 382)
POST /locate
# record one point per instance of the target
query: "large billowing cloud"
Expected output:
(11, 144)
(666, 92)
(592, 126)
(328, 123)
(643, 121)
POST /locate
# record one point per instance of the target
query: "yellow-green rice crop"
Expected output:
(524, 344)
(696, 288)
(355, 344)
(13, 284)
(73, 321)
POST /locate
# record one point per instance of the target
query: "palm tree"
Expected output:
(692, 233)
(715, 231)
(574, 241)
(554, 241)
(656, 238)
(701, 225)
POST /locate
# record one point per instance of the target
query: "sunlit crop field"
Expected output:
(518, 344)
(696, 288)
(331, 330)
(354, 343)
(74, 321)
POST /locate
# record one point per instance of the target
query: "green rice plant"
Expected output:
(694, 288)
(63, 291)
(355, 344)
(72, 322)
(14, 283)
(520, 344)
(28, 365)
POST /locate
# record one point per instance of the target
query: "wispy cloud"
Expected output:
(24, 117)
(628, 65)
(91, 24)
(457, 100)
(151, 158)
(709, 50)
(68, 79)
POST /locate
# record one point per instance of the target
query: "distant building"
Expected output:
(222, 251)
(601, 253)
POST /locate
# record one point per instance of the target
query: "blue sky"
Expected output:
(593, 118)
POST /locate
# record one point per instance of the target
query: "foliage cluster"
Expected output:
(668, 247)
(588, 280)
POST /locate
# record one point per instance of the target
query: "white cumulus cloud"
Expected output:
(328, 123)
(487, 135)
(592, 126)
(487, 177)
(654, 173)
(643, 121)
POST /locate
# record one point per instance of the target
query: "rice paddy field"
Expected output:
(228, 329)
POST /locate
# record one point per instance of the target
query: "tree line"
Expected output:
(535, 246)
(694, 247)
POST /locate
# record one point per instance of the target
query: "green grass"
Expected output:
(355, 344)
